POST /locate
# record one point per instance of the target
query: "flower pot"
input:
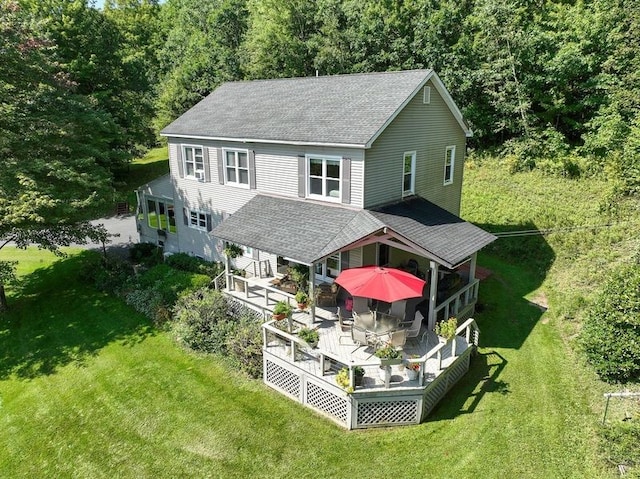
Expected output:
(279, 317)
(359, 380)
(238, 286)
(412, 374)
(302, 306)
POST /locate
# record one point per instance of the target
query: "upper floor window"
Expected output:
(324, 177)
(409, 173)
(161, 215)
(236, 167)
(193, 159)
(449, 161)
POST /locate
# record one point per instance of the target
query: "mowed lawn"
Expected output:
(89, 389)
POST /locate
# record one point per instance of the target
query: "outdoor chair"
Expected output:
(360, 305)
(398, 309)
(326, 294)
(359, 337)
(413, 329)
(345, 325)
(397, 339)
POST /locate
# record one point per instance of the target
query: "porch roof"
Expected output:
(308, 231)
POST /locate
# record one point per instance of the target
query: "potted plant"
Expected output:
(232, 250)
(281, 310)
(447, 329)
(388, 356)
(237, 284)
(342, 378)
(309, 336)
(412, 368)
(303, 299)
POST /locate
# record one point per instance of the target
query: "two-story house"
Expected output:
(330, 172)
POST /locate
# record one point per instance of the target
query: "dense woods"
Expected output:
(553, 84)
(548, 85)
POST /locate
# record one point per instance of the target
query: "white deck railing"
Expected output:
(468, 330)
(455, 303)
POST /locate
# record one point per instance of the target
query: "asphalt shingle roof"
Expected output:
(337, 109)
(307, 231)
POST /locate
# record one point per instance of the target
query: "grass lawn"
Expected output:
(89, 389)
(152, 165)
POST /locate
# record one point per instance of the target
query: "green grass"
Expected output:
(153, 164)
(89, 389)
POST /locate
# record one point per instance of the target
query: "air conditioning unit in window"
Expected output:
(199, 175)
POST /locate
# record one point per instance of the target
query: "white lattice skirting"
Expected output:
(362, 409)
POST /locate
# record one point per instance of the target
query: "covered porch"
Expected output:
(414, 235)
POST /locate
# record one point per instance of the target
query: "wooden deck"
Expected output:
(308, 375)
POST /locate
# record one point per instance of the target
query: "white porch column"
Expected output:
(433, 294)
(227, 271)
(472, 267)
(312, 296)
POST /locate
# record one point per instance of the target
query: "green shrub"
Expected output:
(244, 345)
(203, 321)
(110, 274)
(149, 302)
(610, 337)
(185, 262)
(169, 282)
(148, 254)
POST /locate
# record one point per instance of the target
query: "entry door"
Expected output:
(383, 254)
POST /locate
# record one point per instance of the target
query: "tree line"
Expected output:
(552, 84)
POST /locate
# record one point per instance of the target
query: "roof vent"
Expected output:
(426, 95)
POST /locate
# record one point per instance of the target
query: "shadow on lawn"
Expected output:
(519, 265)
(481, 379)
(56, 318)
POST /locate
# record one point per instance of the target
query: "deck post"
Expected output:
(227, 271)
(433, 295)
(472, 267)
(312, 283)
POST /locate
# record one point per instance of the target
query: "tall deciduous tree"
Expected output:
(54, 146)
(277, 42)
(98, 59)
(199, 53)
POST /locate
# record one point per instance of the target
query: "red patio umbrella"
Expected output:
(384, 284)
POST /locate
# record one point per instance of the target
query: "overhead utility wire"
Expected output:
(510, 234)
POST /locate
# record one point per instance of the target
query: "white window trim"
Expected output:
(224, 162)
(247, 251)
(323, 276)
(195, 170)
(452, 149)
(324, 158)
(412, 190)
(198, 227)
(166, 203)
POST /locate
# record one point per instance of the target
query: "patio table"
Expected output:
(376, 323)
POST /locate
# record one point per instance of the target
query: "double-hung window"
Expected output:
(324, 177)
(193, 158)
(449, 162)
(409, 173)
(197, 220)
(161, 215)
(236, 167)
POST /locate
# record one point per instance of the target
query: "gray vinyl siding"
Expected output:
(276, 172)
(427, 130)
(355, 258)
